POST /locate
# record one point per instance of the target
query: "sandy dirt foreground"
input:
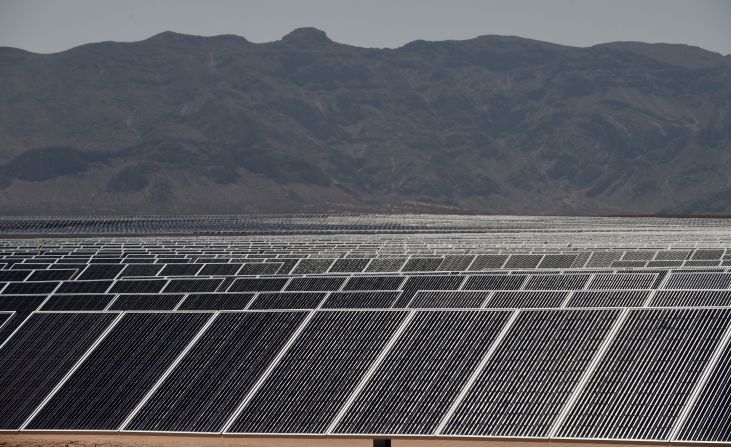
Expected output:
(134, 440)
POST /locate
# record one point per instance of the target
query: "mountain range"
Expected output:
(181, 124)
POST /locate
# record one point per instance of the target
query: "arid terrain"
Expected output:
(499, 125)
(53, 440)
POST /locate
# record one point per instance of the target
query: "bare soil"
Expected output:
(144, 440)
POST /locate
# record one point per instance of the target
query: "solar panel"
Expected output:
(581, 259)
(315, 283)
(192, 285)
(374, 283)
(51, 275)
(525, 383)
(14, 275)
(709, 263)
(422, 265)
(664, 263)
(101, 271)
(638, 255)
(456, 263)
(695, 298)
(146, 301)
(313, 266)
(96, 286)
(287, 265)
(608, 298)
(523, 261)
(29, 288)
(336, 348)
(141, 270)
(494, 282)
(180, 269)
(449, 299)
(647, 374)
(705, 254)
(386, 265)
(622, 281)
(216, 301)
(422, 374)
(672, 255)
(360, 300)
(416, 283)
(138, 286)
(122, 368)
(205, 388)
(526, 300)
(349, 265)
(31, 266)
(557, 261)
(220, 269)
(710, 417)
(636, 264)
(699, 281)
(287, 300)
(603, 259)
(556, 282)
(39, 355)
(487, 262)
(258, 285)
(77, 302)
(260, 268)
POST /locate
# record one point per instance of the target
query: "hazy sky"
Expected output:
(53, 25)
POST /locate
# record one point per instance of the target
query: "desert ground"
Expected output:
(135, 440)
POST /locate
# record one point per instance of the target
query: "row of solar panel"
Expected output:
(23, 305)
(500, 281)
(674, 246)
(642, 374)
(469, 245)
(333, 224)
(93, 273)
(354, 299)
(167, 266)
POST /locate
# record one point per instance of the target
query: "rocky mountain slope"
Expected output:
(186, 124)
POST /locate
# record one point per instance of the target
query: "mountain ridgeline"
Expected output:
(180, 124)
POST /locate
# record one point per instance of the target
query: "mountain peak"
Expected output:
(306, 35)
(680, 55)
(168, 35)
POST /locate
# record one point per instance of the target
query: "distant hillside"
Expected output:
(185, 124)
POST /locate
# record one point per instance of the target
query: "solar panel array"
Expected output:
(546, 328)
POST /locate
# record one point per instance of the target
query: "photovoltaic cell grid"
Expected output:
(710, 417)
(208, 384)
(422, 373)
(39, 355)
(647, 374)
(563, 275)
(529, 378)
(317, 374)
(116, 375)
